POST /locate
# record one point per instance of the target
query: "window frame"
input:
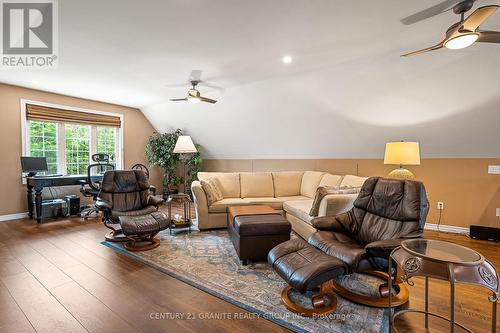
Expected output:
(25, 139)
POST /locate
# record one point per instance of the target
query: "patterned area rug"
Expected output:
(208, 261)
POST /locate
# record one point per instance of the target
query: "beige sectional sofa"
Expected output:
(291, 192)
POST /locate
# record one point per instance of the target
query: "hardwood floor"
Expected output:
(57, 277)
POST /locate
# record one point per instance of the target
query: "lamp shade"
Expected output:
(184, 145)
(402, 153)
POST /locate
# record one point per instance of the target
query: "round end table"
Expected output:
(444, 261)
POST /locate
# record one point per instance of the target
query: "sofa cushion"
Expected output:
(211, 190)
(299, 209)
(256, 184)
(323, 191)
(354, 181)
(287, 183)
(275, 203)
(330, 180)
(227, 182)
(310, 182)
(222, 205)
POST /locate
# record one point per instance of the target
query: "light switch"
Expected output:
(494, 169)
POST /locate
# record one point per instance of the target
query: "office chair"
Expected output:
(145, 169)
(100, 158)
(93, 188)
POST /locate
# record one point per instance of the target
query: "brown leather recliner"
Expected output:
(124, 193)
(386, 212)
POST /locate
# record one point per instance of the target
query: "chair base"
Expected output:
(133, 244)
(116, 236)
(401, 298)
(318, 302)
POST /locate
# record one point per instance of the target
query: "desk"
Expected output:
(38, 183)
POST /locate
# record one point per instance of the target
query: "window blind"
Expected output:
(44, 113)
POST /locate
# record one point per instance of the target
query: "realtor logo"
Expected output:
(29, 34)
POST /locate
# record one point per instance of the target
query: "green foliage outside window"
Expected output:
(43, 142)
(77, 146)
(106, 141)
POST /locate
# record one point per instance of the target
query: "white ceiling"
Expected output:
(345, 94)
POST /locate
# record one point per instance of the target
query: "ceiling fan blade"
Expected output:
(489, 37)
(430, 12)
(195, 75)
(211, 85)
(208, 100)
(178, 99)
(432, 48)
(480, 15)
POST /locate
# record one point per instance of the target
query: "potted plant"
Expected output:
(160, 152)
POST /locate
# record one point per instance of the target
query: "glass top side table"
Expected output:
(443, 261)
(186, 222)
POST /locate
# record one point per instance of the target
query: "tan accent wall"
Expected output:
(137, 130)
(469, 193)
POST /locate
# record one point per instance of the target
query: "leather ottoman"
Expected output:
(143, 229)
(305, 268)
(255, 230)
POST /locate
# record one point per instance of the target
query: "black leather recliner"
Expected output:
(386, 212)
(124, 193)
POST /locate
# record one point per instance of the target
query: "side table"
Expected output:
(443, 261)
(187, 222)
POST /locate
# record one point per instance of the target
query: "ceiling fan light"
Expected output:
(193, 99)
(462, 41)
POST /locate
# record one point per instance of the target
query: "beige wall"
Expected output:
(137, 130)
(469, 193)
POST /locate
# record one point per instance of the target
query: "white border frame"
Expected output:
(24, 127)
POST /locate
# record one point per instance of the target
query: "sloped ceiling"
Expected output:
(346, 93)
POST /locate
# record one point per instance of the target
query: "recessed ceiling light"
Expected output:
(287, 59)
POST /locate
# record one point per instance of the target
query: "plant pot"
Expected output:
(167, 192)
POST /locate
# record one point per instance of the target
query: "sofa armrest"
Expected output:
(200, 204)
(383, 248)
(155, 201)
(103, 205)
(328, 223)
(335, 204)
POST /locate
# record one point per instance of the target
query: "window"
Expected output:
(106, 141)
(68, 144)
(77, 147)
(43, 142)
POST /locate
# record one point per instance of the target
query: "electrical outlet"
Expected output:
(440, 205)
(498, 212)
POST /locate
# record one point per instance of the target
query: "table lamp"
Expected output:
(185, 147)
(402, 153)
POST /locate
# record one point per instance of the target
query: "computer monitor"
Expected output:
(32, 165)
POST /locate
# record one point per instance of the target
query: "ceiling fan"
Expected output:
(193, 95)
(463, 33)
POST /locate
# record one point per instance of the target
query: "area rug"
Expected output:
(208, 261)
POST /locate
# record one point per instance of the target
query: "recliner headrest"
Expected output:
(124, 181)
(395, 199)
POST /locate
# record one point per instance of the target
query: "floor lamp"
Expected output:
(185, 148)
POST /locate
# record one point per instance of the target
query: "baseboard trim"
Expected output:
(16, 216)
(447, 228)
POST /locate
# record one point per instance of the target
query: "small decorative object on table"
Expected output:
(444, 261)
(178, 221)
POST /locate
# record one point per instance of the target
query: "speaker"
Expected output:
(484, 233)
(73, 204)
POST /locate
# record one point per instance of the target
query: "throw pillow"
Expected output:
(212, 191)
(323, 191)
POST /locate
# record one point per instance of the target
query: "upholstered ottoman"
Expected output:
(143, 229)
(256, 229)
(305, 268)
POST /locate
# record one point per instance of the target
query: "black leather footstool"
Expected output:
(305, 268)
(143, 229)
